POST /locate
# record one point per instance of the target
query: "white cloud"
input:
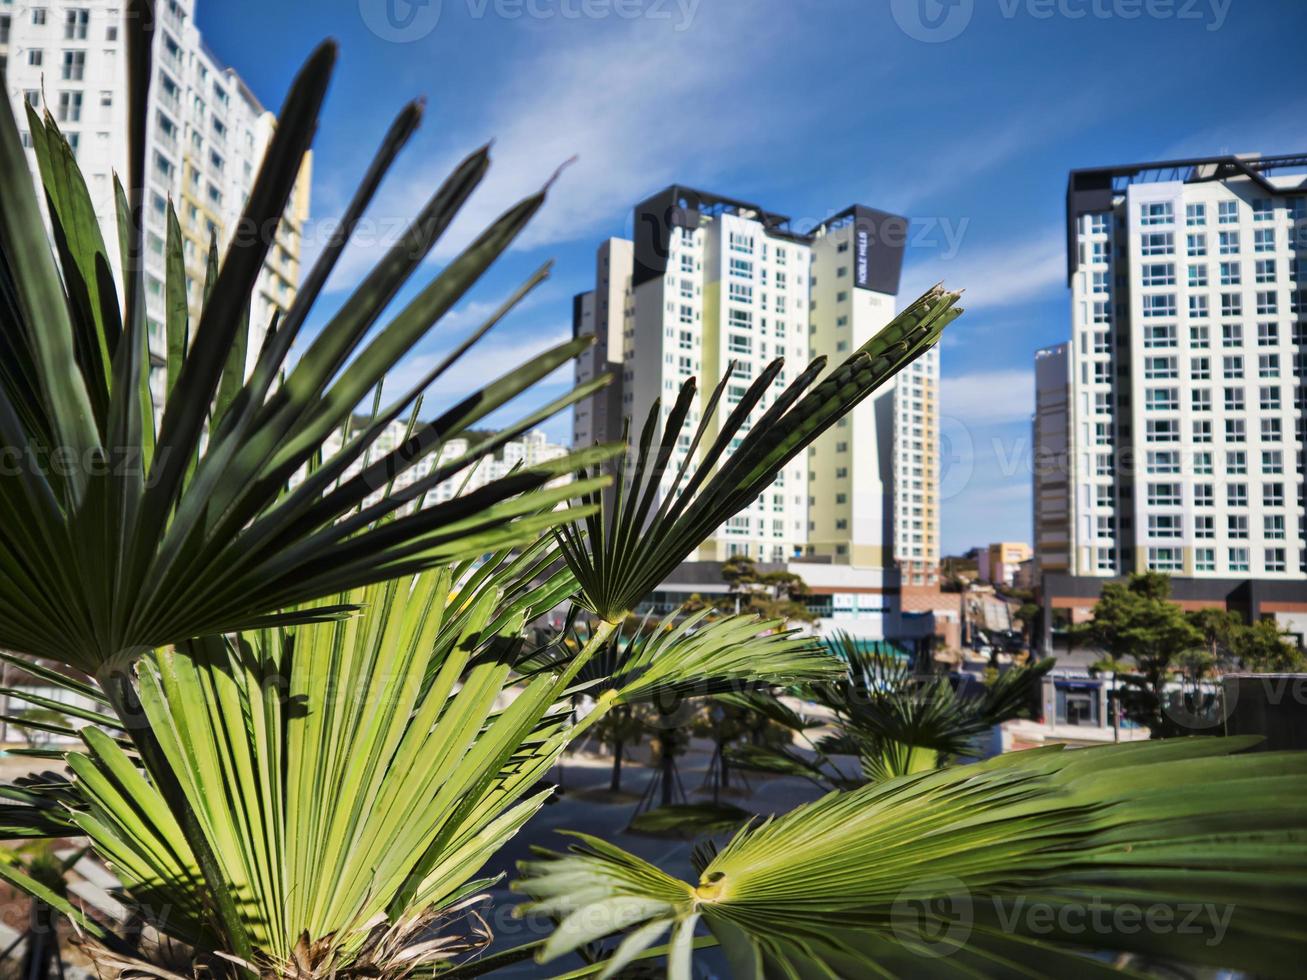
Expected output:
(988, 397)
(996, 274)
(639, 107)
(492, 357)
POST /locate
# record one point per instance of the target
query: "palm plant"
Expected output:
(892, 720)
(314, 719)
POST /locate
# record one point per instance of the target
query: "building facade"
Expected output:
(1185, 374)
(206, 135)
(710, 282)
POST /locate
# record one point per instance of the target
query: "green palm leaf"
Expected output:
(621, 552)
(149, 537)
(854, 884)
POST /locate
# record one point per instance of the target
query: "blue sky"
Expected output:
(965, 116)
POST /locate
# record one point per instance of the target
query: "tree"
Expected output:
(315, 719)
(1136, 623)
(776, 594)
(1262, 648)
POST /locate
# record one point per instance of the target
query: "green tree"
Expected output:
(778, 594)
(1136, 623)
(1262, 648)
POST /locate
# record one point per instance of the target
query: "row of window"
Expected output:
(1200, 399)
(1172, 560)
(1227, 212)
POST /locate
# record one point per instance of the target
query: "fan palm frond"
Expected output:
(1020, 865)
(658, 512)
(132, 526)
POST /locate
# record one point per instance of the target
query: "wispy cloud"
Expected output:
(989, 397)
(638, 107)
(997, 274)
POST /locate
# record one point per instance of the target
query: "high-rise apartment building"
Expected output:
(1186, 374)
(711, 281)
(207, 133)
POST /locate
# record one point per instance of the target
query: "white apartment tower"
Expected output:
(1187, 368)
(207, 133)
(710, 281)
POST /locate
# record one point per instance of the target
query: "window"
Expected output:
(1275, 559)
(38, 15)
(1231, 335)
(1103, 464)
(1204, 526)
(1199, 336)
(75, 23)
(1236, 527)
(1268, 398)
(1264, 240)
(1156, 213)
(1273, 527)
(741, 267)
(1098, 223)
(1228, 242)
(1162, 399)
(1102, 342)
(1205, 559)
(1200, 369)
(1227, 212)
(1234, 400)
(1232, 366)
(1162, 462)
(1238, 559)
(1160, 367)
(1195, 215)
(1159, 334)
(1164, 494)
(1236, 462)
(1235, 430)
(1272, 494)
(1196, 244)
(1102, 312)
(1162, 430)
(1157, 243)
(1264, 270)
(1203, 463)
(1197, 275)
(1202, 430)
(1236, 495)
(1268, 365)
(1204, 497)
(35, 58)
(1165, 560)
(1230, 273)
(74, 66)
(1198, 306)
(740, 242)
(1268, 334)
(70, 106)
(1231, 304)
(33, 97)
(1164, 525)
(739, 344)
(1271, 430)
(1200, 399)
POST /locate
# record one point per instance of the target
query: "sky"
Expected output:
(964, 115)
